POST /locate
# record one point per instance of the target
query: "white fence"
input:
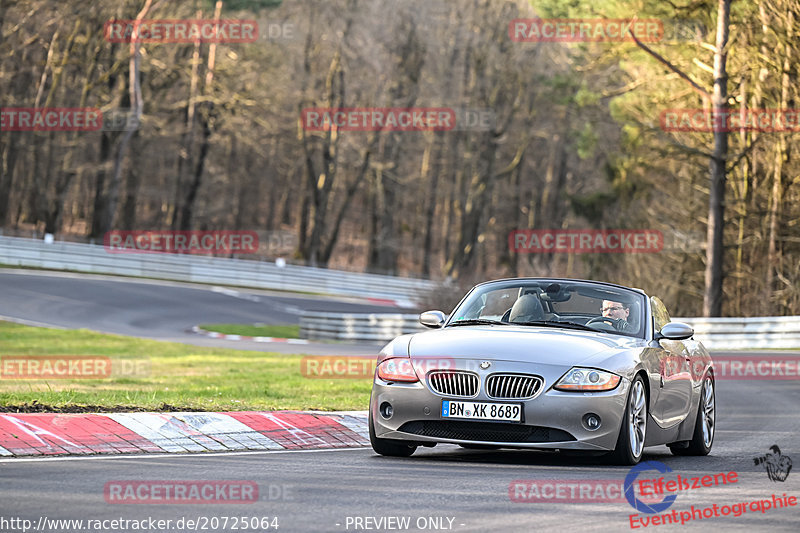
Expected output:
(357, 327)
(746, 333)
(714, 333)
(92, 258)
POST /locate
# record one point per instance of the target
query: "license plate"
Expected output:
(507, 412)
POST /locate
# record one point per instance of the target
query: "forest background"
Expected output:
(575, 139)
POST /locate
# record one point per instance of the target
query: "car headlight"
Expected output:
(397, 369)
(587, 379)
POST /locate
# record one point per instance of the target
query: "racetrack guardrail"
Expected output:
(714, 333)
(22, 252)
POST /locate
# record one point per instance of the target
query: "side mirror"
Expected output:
(432, 319)
(675, 331)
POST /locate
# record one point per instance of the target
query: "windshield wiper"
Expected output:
(476, 322)
(553, 324)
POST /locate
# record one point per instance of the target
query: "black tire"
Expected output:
(389, 447)
(701, 443)
(636, 412)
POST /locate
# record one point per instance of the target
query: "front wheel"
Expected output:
(630, 443)
(704, 424)
(389, 447)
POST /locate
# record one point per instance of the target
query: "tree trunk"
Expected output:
(206, 118)
(100, 205)
(191, 196)
(431, 172)
(8, 166)
(781, 156)
(712, 297)
(131, 194)
(135, 90)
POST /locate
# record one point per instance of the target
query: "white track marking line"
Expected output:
(172, 455)
(33, 323)
(235, 294)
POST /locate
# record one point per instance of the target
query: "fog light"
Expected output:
(386, 410)
(591, 421)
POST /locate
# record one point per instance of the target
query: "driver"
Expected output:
(618, 312)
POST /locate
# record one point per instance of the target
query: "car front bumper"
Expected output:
(551, 420)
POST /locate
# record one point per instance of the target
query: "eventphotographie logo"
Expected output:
(639, 504)
(775, 463)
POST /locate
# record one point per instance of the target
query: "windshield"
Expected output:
(553, 303)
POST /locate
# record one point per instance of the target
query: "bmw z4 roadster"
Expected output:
(546, 364)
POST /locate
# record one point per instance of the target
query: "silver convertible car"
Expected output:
(547, 364)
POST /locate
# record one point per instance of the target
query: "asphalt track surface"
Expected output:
(329, 490)
(440, 489)
(163, 310)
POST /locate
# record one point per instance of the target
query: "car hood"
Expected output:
(543, 345)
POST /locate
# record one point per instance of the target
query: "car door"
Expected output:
(674, 364)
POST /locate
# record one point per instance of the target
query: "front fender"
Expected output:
(398, 347)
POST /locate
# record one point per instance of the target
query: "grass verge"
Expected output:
(166, 376)
(283, 332)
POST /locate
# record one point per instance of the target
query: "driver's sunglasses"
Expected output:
(616, 308)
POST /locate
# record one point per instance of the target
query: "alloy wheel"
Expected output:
(637, 418)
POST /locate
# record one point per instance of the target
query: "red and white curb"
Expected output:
(29, 434)
(215, 335)
(407, 304)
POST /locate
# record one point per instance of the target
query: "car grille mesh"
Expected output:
(512, 386)
(484, 431)
(453, 383)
